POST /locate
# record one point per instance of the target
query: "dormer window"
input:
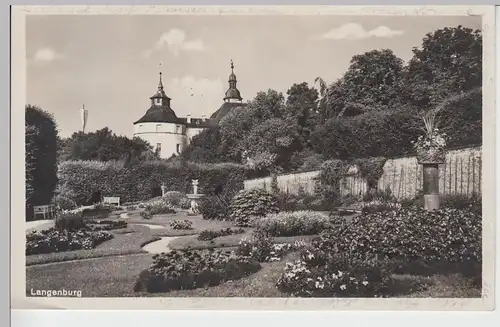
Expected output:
(158, 101)
(158, 127)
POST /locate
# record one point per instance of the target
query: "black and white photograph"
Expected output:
(240, 155)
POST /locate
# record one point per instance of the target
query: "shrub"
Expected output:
(459, 201)
(215, 207)
(287, 201)
(173, 198)
(97, 225)
(250, 204)
(146, 215)
(293, 223)
(98, 212)
(159, 208)
(181, 224)
(185, 203)
(208, 235)
(58, 240)
(193, 269)
(64, 203)
(70, 222)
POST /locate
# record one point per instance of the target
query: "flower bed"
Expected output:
(193, 269)
(334, 278)
(97, 225)
(53, 240)
(357, 257)
(293, 223)
(181, 224)
(261, 248)
(208, 235)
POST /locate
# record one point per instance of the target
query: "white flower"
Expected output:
(365, 283)
(340, 273)
(343, 287)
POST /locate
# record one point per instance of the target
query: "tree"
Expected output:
(104, 145)
(40, 156)
(448, 62)
(371, 81)
(301, 109)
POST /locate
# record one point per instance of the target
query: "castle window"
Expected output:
(178, 129)
(158, 147)
(158, 101)
(178, 148)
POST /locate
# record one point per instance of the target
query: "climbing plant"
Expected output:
(371, 169)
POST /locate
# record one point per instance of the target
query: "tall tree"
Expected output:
(448, 62)
(41, 156)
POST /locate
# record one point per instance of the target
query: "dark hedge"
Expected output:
(79, 180)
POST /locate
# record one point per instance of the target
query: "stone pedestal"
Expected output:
(431, 186)
(195, 200)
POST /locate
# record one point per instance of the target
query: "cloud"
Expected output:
(46, 54)
(195, 96)
(355, 31)
(176, 41)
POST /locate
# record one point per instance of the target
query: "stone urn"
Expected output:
(430, 159)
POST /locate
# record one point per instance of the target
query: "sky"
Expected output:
(111, 64)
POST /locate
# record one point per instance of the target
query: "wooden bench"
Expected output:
(45, 210)
(109, 200)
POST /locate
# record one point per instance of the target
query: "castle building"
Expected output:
(168, 133)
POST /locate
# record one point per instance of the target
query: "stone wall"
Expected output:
(461, 174)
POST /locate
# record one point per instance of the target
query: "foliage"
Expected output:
(174, 198)
(146, 214)
(58, 240)
(105, 224)
(193, 269)
(215, 207)
(104, 145)
(292, 223)
(64, 203)
(70, 222)
(274, 184)
(449, 61)
(331, 175)
(463, 202)
(40, 156)
(250, 204)
(372, 82)
(334, 277)
(138, 181)
(448, 235)
(371, 169)
(98, 212)
(379, 206)
(208, 235)
(181, 224)
(159, 208)
(261, 248)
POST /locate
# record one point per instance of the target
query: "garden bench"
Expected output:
(45, 210)
(109, 200)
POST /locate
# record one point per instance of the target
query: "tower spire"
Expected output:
(160, 85)
(232, 93)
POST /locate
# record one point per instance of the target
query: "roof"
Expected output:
(233, 93)
(196, 122)
(225, 109)
(159, 114)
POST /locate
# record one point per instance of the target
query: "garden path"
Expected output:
(160, 245)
